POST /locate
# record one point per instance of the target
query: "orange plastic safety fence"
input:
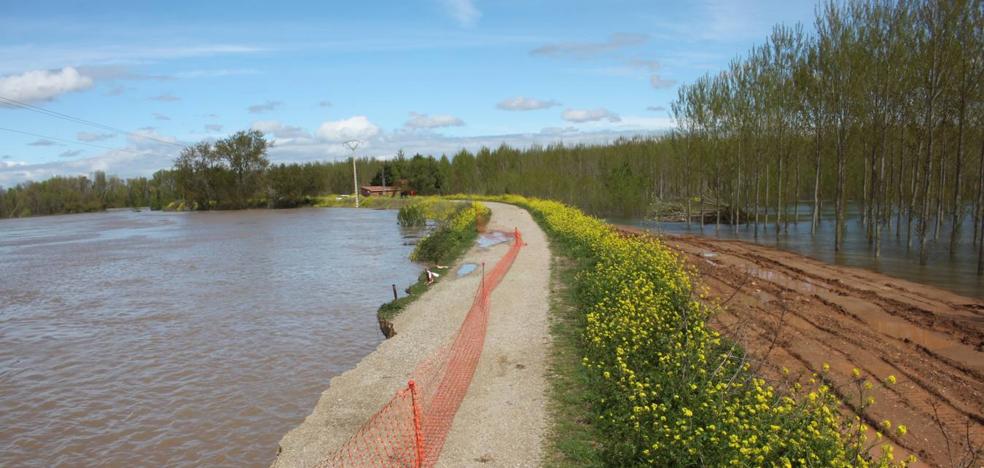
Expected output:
(410, 430)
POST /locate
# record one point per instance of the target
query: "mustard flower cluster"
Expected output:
(672, 391)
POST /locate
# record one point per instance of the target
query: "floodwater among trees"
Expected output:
(183, 339)
(952, 270)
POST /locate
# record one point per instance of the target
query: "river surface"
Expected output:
(952, 270)
(183, 339)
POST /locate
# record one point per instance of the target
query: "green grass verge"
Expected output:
(572, 439)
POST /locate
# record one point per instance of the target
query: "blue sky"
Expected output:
(429, 76)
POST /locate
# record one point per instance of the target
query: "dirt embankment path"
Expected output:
(502, 420)
(799, 313)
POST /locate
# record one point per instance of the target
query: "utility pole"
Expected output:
(353, 145)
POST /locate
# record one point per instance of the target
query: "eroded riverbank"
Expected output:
(797, 313)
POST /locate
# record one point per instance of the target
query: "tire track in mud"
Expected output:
(793, 312)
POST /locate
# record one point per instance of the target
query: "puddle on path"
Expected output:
(488, 239)
(466, 268)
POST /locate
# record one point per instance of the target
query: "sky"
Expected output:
(122, 86)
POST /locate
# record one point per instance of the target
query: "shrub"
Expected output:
(455, 232)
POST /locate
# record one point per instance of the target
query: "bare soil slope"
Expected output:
(795, 312)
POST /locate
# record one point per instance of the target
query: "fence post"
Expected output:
(418, 435)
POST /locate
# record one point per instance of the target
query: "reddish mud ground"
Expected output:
(795, 312)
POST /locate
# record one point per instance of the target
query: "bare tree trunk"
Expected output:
(880, 199)
(736, 208)
(796, 192)
(816, 187)
(926, 185)
(840, 202)
(956, 205)
(900, 167)
(940, 190)
(912, 194)
(979, 205)
(766, 223)
(871, 187)
(757, 204)
(779, 207)
(980, 253)
(864, 192)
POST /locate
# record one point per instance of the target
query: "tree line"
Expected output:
(876, 108)
(880, 104)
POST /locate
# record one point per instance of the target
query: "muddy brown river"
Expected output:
(183, 339)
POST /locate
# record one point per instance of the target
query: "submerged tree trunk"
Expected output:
(841, 192)
(779, 185)
(956, 205)
(816, 187)
(898, 182)
(940, 192)
(796, 192)
(912, 195)
(979, 206)
(926, 185)
(880, 199)
(757, 183)
(766, 222)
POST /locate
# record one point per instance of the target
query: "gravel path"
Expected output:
(502, 419)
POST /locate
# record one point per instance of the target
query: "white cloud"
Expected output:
(352, 128)
(424, 121)
(265, 107)
(166, 97)
(140, 157)
(463, 11)
(520, 103)
(651, 65)
(558, 130)
(279, 130)
(213, 128)
(90, 136)
(588, 49)
(589, 115)
(43, 85)
(660, 83)
(28, 56)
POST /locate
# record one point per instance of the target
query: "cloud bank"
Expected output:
(428, 122)
(521, 103)
(590, 115)
(43, 85)
(589, 49)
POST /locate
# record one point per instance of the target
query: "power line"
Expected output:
(59, 115)
(46, 137)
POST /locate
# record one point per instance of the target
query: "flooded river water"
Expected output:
(954, 270)
(183, 339)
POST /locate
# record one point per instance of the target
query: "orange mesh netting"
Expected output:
(410, 429)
